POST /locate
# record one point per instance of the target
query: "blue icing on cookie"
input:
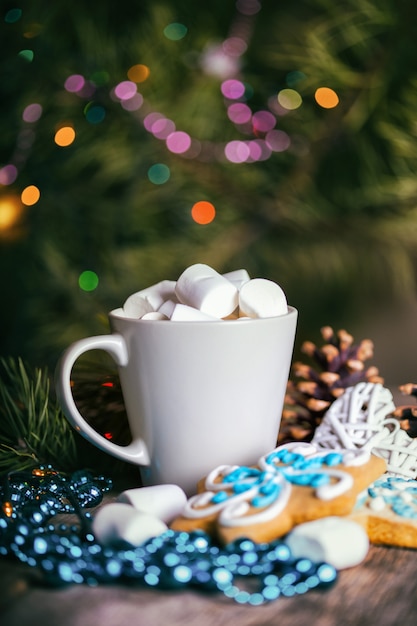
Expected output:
(396, 492)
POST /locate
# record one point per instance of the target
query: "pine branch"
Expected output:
(33, 428)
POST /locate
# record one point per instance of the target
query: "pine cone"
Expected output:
(338, 364)
(407, 415)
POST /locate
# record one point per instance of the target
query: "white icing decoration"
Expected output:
(377, 504)
(399, 451)
(270, 473)
(356, 419)
(235, 515)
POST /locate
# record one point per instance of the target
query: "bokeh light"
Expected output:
(175, 31)
(132, 104)
(88, 280)
(30, 195)
(150, 120)
(8, 174)
(159, 173)
(28, 55)
(94, 113)
(248, 7)
(203, 212)
(74, 83)
(239, 113)
(237, 151)
(64, 136)
(294, 77)
(10, 212)
(12, 16)
(232, 89)
(138, 73)
(162, 127)
(259, 150)
(326, 98)
(278, 140)
(263, 121)
(234, 46)
(125, 90)
(289, 99)
(178, 142)
(32, 112)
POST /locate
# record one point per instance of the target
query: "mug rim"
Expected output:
(115, 314)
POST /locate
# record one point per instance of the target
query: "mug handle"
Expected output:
(136, 452)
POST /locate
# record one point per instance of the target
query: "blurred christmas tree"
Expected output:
(295, 120)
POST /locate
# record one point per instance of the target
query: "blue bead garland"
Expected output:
(174, 560)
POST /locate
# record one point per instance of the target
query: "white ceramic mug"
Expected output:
(197, 394)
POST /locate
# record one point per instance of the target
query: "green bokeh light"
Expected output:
(27, 55)
(88, 280)
(175, 31)
(159, 173)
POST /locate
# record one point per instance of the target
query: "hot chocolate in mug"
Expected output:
(198, 394)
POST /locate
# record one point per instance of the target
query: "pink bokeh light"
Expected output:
(8, 174)
(237, 151)
(125, 90)
(178, 142)
(232, 89)
(74, 83)
(278, 140)
(263, 121)
(32, 113)
(239, 113)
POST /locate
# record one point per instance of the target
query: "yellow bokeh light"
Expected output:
(138, 73)
(30, 195)
(10, 212)
(64, 136)
(326, 98)
(289, 99)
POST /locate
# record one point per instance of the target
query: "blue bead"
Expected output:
(222, 576)
(40, 545)
(182, 574)
(326, 573)
(271, 592)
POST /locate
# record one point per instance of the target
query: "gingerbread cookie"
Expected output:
(294, 483)
(388, 512)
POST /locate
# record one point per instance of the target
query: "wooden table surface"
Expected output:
(382, 591)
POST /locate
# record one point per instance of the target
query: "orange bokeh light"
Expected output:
(64, 136)
(138, 73)
(30, 195)
(326, 98)
(203, 212)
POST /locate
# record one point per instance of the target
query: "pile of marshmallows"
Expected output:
(202, 294)
(146, 512)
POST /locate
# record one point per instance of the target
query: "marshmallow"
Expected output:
(168, 307)
(340, 542)
(136, 306)
(203, 288)
(154, 315)
(184, 313)
(260, 297)
(158, 293)
(237, 277)
(162, 501)
(117, 522)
